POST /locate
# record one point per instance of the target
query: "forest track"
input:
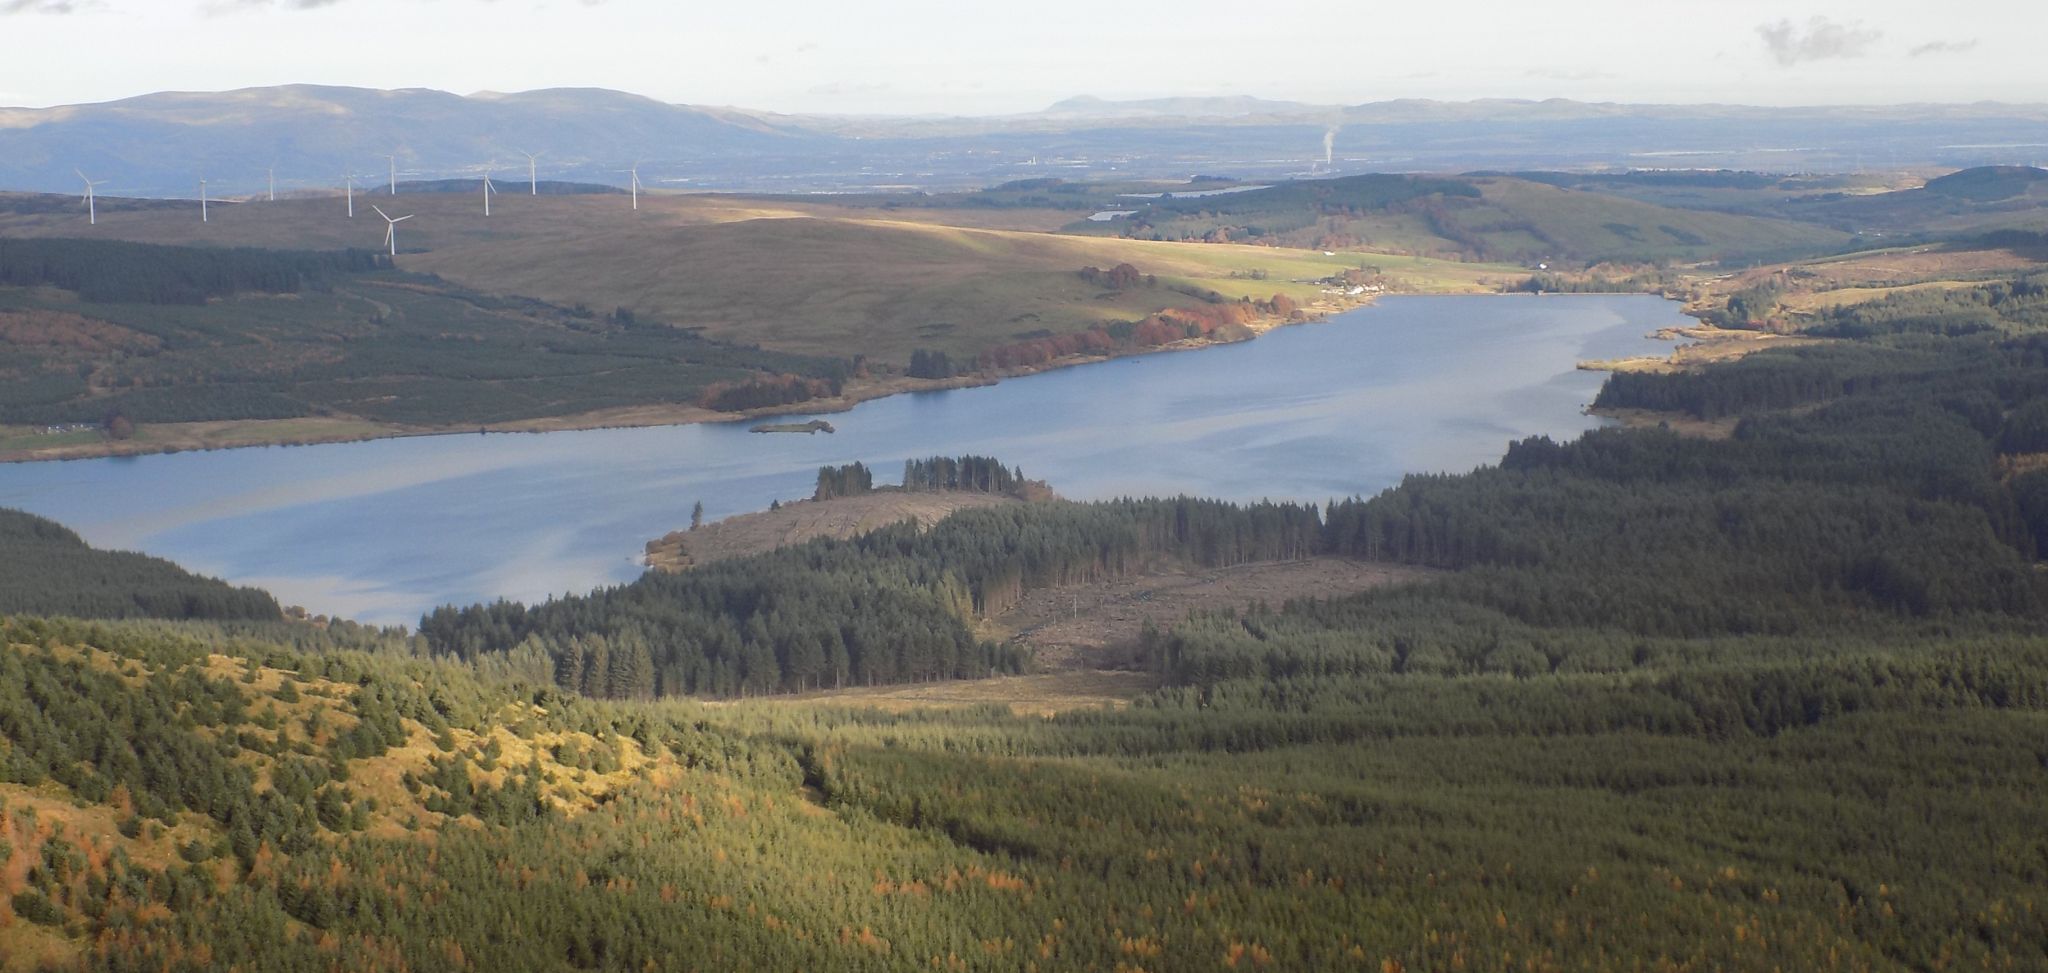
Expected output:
(1039, 694)
(1095, 626)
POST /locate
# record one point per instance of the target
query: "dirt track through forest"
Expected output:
(1091, 626)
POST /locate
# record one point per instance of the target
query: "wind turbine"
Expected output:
(391, 228)
(394, 173)
(202, 200)
(636, 183)
(489, 190)
(92, 210)
(351, 178)
(532, 172)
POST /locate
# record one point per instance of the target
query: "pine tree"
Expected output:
(569, 665)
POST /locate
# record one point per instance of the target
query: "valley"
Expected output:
(1633, 675)
(1530, 563)
(593, 311)
(742, 295)
(386, 530)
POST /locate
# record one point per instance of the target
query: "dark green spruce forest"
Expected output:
(1773, 701)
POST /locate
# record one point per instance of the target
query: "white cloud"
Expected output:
(1944, 47)
(47, 6)
(1821, 40)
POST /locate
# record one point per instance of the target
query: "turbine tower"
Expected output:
(351, 179)
(273, 182)
(532, 172)
(391, 228)
(92, 210)
(635, 171)
(394, 173)
(202, 200)
(490, 190)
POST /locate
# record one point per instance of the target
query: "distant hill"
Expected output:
(1259, 138)
(1089, 107)
(161, 144)
(1488, 217)
(1969, 202)
(508, 184)
(1988, 183)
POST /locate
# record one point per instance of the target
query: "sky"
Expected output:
(962, 57)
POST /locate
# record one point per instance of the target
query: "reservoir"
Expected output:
(383, 531)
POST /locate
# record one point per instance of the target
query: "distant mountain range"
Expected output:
(312, 135)
(162, 144)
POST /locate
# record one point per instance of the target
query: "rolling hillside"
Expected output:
(1500, 218)
(784, 274)
(111, 345)
(886, 288)
(1961, 203)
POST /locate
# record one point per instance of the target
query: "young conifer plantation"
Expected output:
(1774, 701)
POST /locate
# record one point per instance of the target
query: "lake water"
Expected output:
(382, 531)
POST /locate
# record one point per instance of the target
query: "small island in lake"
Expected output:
(813, 426)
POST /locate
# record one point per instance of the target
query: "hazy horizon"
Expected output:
(926, 57)
(1046, 106)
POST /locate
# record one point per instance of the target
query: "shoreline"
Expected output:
(1709, 344)
(162, 438)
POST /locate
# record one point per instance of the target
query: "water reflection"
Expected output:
(382, 531)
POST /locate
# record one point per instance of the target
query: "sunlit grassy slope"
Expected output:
(802, 277)
(886, 288)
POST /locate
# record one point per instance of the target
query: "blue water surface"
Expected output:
(383, 531)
